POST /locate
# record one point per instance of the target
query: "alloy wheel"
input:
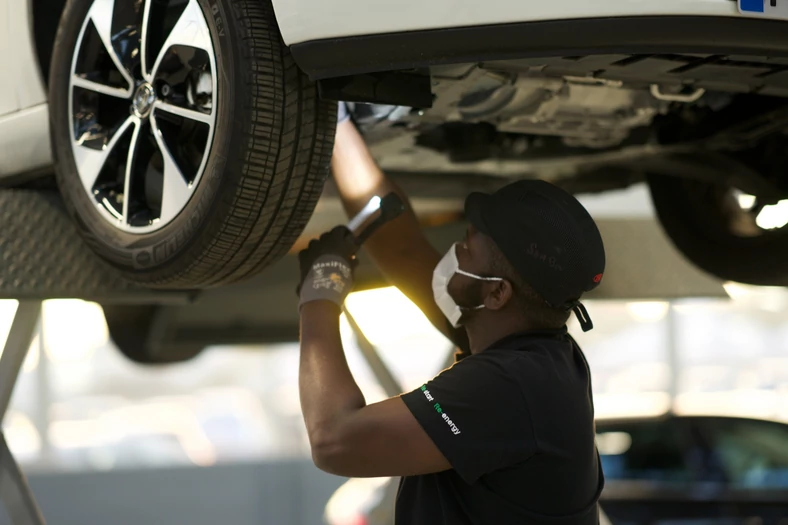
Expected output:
(142, 104)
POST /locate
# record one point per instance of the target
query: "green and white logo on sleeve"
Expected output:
(454, 429)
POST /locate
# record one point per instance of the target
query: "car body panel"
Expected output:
(24, 141)
(709, 468)
(24, 119)
(307, 20)
(22, 68)
(8, 102)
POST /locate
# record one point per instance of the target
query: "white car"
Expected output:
(191, 138)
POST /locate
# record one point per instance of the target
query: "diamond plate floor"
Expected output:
(43, 257)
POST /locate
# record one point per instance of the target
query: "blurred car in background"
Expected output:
(659, 471)
(699, 470)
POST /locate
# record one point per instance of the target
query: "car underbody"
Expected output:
(559, 118)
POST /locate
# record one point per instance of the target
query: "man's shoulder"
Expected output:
(540, 358)
(530, 349)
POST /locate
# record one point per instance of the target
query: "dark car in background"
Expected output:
(695, 470)
(671, 470)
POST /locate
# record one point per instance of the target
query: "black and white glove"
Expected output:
(327, 266)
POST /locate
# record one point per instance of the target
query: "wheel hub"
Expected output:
(140, 139)
(143, 100)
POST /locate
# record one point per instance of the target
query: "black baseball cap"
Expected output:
(548, 237)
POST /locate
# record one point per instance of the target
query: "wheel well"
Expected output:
(46, 17)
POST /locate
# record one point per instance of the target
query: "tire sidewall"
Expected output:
(698, 229)
(147, 252)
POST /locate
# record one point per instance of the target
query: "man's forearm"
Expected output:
(328, 390)
(355, 171)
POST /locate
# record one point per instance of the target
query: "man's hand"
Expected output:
(327, 266)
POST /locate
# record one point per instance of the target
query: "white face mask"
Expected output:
(443, 273)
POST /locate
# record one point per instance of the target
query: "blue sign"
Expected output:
(752, 6)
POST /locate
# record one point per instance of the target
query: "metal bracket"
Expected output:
(656, 92)
(14, 490)
(397, 88)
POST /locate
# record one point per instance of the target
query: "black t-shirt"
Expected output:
(516, 422)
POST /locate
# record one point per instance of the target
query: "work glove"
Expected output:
(327, 266)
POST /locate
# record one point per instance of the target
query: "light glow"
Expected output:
(385, 315)
(22, 436)
(74, 329)
(613, 443)
(746, 201)
(650, 312)
(773, 217)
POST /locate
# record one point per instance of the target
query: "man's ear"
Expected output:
(500, 294)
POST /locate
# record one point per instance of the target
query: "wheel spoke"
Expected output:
(176, 192)
(90, 161)
(130, 169)
(144, 41)
(191, 30)
(101, 14)
(84, 83)
(183, 112)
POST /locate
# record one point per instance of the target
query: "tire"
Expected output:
(136, 331)
(697, 219)
(263, 164)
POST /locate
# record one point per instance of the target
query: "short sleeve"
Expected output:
(476, 414)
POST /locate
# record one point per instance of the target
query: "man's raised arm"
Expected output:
(400, 249)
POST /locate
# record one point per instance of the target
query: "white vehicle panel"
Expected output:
(21, 85)
(8, 102)
(24, 126)
(28, 81)
(24, 141)
(305, 20)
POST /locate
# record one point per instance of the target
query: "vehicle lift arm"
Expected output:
(42, 257)
(14, 490)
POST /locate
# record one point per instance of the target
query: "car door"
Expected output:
(651, 468)
(8, 100)
(752, 455)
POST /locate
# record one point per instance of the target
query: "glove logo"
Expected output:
(327, 267)
(336, 280)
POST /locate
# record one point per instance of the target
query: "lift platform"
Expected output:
(42, 257)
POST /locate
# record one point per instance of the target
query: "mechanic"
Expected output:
(504, 436)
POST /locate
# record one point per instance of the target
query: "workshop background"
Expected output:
(221, 438)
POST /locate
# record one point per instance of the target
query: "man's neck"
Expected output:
(482, 333)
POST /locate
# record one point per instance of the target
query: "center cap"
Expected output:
(144, 97)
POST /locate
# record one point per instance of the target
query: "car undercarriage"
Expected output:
(706, 132)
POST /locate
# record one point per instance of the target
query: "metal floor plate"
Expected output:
(43, 257)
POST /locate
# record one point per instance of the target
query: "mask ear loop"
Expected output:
(473, 276)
